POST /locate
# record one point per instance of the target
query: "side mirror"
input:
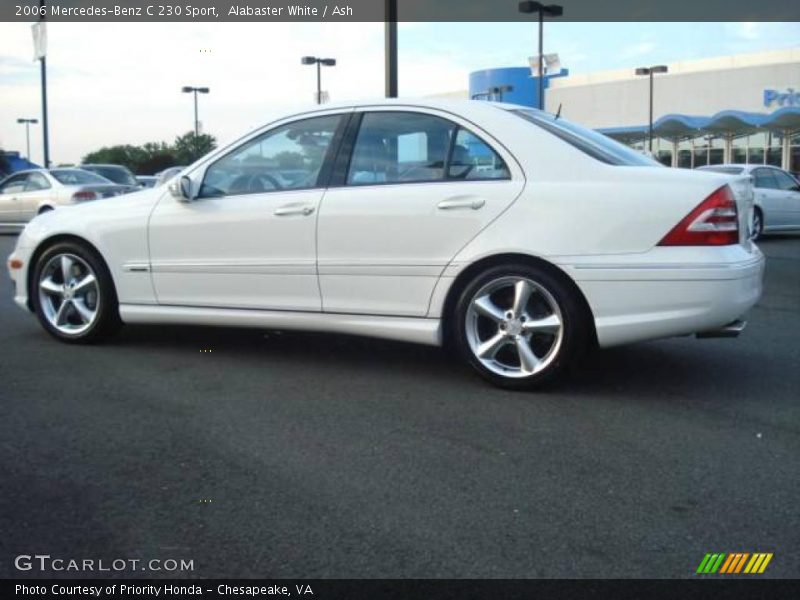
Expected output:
(181, 188)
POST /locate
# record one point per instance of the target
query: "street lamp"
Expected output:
(313, 60)
(650, 71)
(187, 89)
(28, 123)
(551, 10)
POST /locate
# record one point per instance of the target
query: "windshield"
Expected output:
(76, 177)
(119, 175)
(596, 145)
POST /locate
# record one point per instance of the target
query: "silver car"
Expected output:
(167, 174)
(777, 197)
(25, 194)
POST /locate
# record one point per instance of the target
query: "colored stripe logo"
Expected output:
(734, 563)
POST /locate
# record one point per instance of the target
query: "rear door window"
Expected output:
(408, 147)
(784, 181)
(763, 179)
(15, 184)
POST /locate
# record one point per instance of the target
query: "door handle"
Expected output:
(452, 203)
(294, 209)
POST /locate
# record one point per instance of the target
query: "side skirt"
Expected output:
(404, 329)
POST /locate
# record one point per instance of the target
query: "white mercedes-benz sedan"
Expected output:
(510, 235)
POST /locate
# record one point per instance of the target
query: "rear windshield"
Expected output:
(726, 170)
(596, 145)
(119, 175)
(76, 177)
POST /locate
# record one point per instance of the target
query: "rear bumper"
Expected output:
(643, 302)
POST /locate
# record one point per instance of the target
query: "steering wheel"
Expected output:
(252, 184)
(257, 183)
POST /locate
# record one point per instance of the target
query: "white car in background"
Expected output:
(777, 197)
(512, 236)
(25, 194)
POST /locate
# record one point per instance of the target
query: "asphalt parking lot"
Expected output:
(302, 455)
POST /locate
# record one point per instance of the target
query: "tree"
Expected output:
(188, 147)
(289, 160)
(153, 157)
(125, 155)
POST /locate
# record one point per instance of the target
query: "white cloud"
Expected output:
(746, 30)
(636, 50)
(120, 83)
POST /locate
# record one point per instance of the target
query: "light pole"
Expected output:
(313, 60)
(551, 10)
(650, 71)
(390, 48)
(28, 123)
(187, 89)
(40, 52)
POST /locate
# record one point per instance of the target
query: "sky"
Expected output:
(119, 83)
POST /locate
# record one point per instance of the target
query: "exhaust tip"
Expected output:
(731, 330)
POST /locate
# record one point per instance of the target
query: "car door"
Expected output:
(37, 191)
(11, 191)
(769, 197)
(249, 239)
(790, 199)
(414, 187)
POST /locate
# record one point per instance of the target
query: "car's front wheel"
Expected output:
(73, 294)
(758, 225)
(519, 325)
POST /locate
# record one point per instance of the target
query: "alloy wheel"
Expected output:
(69, 294)
(514, 327)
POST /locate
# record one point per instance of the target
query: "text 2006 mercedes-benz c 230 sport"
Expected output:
(508, 234)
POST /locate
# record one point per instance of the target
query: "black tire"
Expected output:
(107, 320)
(758, 224)
(44, 209)
(565, 348)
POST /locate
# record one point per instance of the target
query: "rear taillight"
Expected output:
(84, 195)
(715, 222)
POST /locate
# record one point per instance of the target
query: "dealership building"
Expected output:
(733, 109)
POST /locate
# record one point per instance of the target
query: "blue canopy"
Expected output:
(726, 122)
(17, 163)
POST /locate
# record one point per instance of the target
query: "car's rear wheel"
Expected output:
(73, 294)
(519, 326)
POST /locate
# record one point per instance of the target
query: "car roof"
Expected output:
(100, 165)
(26, 171)
(457, 106)
(746, 167)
